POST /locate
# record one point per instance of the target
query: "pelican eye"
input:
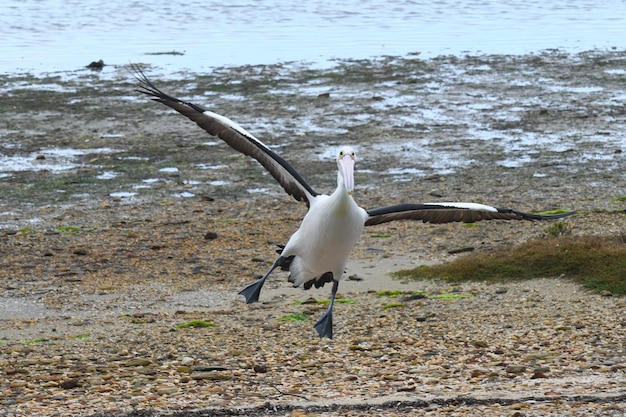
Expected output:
(341, 154)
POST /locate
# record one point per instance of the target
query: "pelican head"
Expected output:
(345, 163)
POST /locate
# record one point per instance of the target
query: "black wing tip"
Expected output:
(145, 85)
(148, 88)
(539, 216)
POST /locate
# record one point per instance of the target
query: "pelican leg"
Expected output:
(324, 325)
(252, 291)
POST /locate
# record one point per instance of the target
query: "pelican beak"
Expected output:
(346, 166)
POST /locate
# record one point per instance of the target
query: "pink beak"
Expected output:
(346, 166)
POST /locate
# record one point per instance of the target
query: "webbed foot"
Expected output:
(324, 325)
(252, 291)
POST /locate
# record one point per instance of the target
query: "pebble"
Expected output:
(211, 376)
(259, 369)
(515, 369)
(187, 361)
(137, 362)
(167, 390)
(70, 383)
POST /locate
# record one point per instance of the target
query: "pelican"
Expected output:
(317, 252)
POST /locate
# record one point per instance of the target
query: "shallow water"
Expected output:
(53, 160)
(545, 116)
(55, 35)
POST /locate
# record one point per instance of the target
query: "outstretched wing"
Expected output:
(451, 212)
(235, 136)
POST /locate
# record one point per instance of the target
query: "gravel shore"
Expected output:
(104, 262)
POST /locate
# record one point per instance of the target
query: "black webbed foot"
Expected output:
(252, 291)
(324, 325)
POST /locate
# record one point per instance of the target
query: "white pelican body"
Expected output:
(325, 238)
(318, 251)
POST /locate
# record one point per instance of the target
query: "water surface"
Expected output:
(59, 35)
